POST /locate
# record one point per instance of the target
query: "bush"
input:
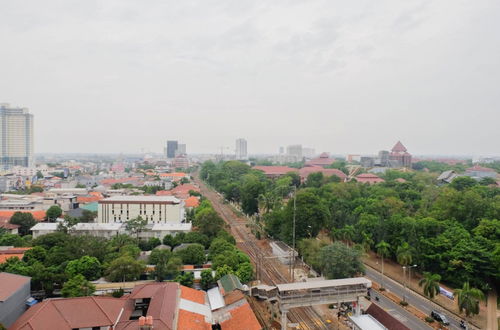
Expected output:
(429, 319)
(118, 293)
(381, 288)
(403, 303)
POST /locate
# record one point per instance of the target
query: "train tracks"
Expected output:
(268, 272)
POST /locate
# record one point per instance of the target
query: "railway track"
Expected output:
(306, 317)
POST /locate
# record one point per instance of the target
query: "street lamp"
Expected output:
(405, 285)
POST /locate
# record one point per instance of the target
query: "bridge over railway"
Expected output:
(313, 292)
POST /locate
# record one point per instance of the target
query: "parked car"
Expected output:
(440, 317)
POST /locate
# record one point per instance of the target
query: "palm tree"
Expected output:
(468, 299)
(431, 284)
(383, 251)
(404, 254)
(367, 241)
(347, 233)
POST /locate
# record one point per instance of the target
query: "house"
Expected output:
(7, 226)
(14, 294)
(399, 156)
(478, 172)
(369, 178)
(447, 177)
(275, 171)
(165, 305)
(327, 172)
(7, 252)
(323, 160)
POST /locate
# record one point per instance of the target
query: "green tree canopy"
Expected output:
(54, 212)
(340, 261)
(89, 267)
(77, 286)
(25, 220)
(124, 269)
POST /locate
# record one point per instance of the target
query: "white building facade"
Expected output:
(155, 209)
(16, 137)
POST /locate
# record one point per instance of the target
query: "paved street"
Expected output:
(412, 298)
(400, 313)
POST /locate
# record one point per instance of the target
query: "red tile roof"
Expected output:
(10, 283)
(185, 188)
(192, 321)
(369, 178)
(399, 147)
(305, 171)
(242, 318)
(193, 295)
(164, 193)
(71, 313)
(275, 170)
(120, 180)
(4, 223)
(477, 168)
(192, 201)
(39, 215)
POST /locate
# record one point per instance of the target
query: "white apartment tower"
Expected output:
(241, 149)
(16, 137)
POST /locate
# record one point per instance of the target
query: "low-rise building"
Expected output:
(479, 172)
(155, 209)
(14, 294)
(369, 178)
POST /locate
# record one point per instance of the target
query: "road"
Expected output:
(412, 298)
(400, 313)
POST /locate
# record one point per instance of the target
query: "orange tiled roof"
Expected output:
(164, 193)
(5, 256)
(38, 215)
(88, 199)
(173, 175)
(193, 295)
(192, 201)
(242, 318)
(192, 321)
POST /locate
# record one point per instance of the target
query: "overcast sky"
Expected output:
(340, 76)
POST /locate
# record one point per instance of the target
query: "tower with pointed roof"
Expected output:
(399, 154)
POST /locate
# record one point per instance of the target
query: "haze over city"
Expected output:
(124, 76)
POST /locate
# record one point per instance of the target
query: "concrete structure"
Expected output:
(365, 322)
(294, 150)
(14, 293)
(16, 137)
(478, 172)
(314, 292)
(308, 152)
(241, 149)
(171, 149)
(400, 155)
(181, 149)
(155, 209)
(447, 177)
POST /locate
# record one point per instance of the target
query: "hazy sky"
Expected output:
(340, 76)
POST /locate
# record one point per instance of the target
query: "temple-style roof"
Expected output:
(399, 147)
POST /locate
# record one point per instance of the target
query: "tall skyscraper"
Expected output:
(294, 150)
(241, 149)
(16, 137)
(181, 149)
(171, 148)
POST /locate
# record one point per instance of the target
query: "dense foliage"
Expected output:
(453, 230)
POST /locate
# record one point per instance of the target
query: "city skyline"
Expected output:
(343, 78)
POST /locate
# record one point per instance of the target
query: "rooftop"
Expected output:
(144, 199)
(10, 283)
(323, 284)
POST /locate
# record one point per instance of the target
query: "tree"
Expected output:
(124, 268)
(186, 279)
(404, 254)
(53, 213)
(136, 225)
(222, 271)
(173, 267)
(88, 216)
(207, 279)
(347, 233)
(463, 182)
(245, 272)
(208, 222)
(25, 220)
(383, 251)
(340, 261)
(39, 175)
(157, 255)
(36, 253)
(77, 286)
(430, 283)
(160, 258)
(89, 267)
(193, 254)
(468, 299)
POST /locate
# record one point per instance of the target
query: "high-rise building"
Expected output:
(241, 149)
(16, 137)
(181, 150)
(294, 150)
(172, 148)
(308, 152)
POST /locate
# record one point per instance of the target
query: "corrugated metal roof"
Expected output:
(323, 284)
(215, 298)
